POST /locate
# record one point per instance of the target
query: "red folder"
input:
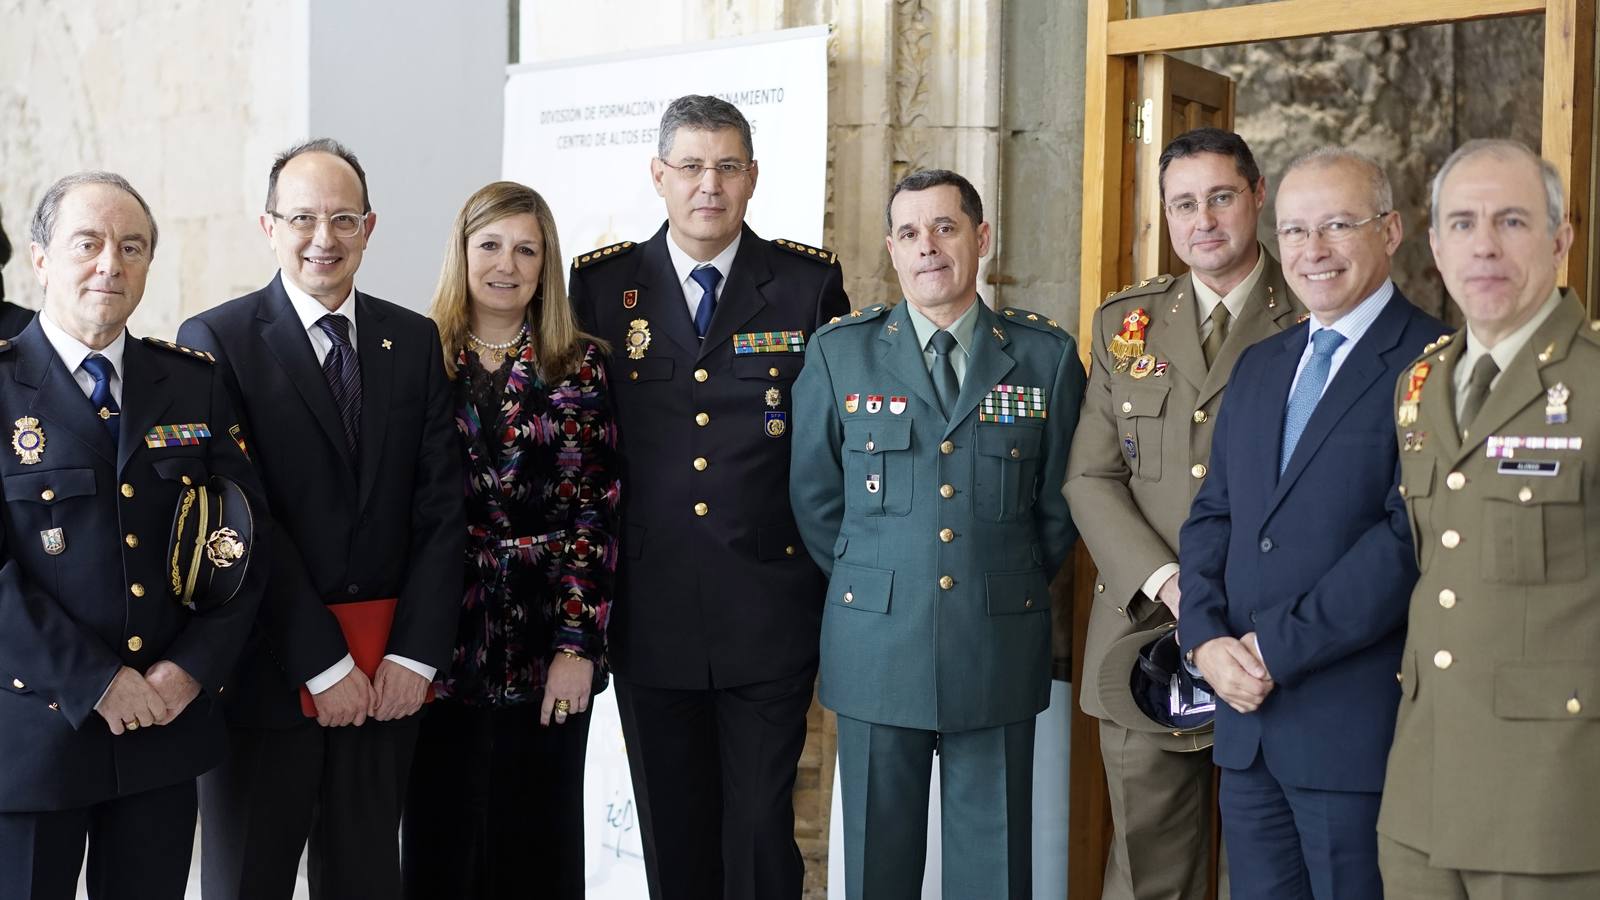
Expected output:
(366, 625)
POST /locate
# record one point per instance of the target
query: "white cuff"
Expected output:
(427, 672)
(332, 675)
(1152, 585)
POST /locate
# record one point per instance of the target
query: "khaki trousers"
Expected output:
(1408, 876)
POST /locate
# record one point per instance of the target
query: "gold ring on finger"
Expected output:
(131, 726)
(563, 706)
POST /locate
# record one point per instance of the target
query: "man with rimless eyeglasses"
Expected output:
(718, 606)
(1161, 352)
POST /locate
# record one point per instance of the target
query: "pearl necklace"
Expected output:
(508, 348)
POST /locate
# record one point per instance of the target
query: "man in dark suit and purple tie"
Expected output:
(1296, 561)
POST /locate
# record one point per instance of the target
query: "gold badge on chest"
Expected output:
(27, 439)
(638, 339)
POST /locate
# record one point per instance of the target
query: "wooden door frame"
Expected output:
(1115, 41)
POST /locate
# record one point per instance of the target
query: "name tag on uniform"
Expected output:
(1544, 468)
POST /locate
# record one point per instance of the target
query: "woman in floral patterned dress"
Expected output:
(494, 807)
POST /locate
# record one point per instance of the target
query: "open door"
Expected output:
(1172, 97)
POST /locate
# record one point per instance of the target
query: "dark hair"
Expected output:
(1211, 140)
(316, 145)
(922, 180)
(43, 225)
(702, 113)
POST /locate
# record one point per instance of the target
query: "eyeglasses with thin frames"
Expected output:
(343, 225)
(1332, 231)
(1186, 209)
(696, 171)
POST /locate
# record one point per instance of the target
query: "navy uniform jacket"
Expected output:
(1318, 562)
(713, 589)
(69, 621)
(13, 318)
(940, 538)
(387, 523)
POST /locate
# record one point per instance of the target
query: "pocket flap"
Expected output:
(875, 435)
(651, 368)
(1133, 401)
(31, 487)
(1416, 476)
(1546, 690)
(187, 469)
(1564, 485)
(1009, 441)
(769, 366)
(1017, 592)
(858, 587)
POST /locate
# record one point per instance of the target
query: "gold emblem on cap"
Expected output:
(224, 548)
(28, 440)
(638, 338)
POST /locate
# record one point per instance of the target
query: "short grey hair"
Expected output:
(702, 113)
(1381, 191)
(1554, 196)
(43, 225)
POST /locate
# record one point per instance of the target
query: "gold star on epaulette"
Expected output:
(855, 313)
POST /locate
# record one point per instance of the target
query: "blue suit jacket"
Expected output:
(1318, 562)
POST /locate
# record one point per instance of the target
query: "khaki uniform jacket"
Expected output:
(1142, 445)
(1496, 758)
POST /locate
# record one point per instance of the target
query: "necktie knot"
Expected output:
(943, 342)
(99, 368)
(707, 277)
(1325, 342)
(1483, 375)
(337, 328)
(1212, 346)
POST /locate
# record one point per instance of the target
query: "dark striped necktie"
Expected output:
(344, 375)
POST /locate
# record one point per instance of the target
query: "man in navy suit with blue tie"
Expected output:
(1296, 562)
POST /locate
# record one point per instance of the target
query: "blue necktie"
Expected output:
(105, 405)
(343, 374)
(707, 277)
(1307, 391)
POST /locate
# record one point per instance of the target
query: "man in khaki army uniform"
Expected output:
(1162, 351)
(1494, 776)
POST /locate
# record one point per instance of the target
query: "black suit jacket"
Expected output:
(13, 318)
(729, 596)
(1318, 561)
(386, 524)
(70, 620)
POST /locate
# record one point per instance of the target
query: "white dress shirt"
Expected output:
(309, 309)
(73, 353)
(684, 264)
(1352, 325)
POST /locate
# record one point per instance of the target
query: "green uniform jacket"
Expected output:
(940, 538)
(1142, 446)
(1496, 757)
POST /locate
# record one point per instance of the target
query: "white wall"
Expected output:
(415, 88)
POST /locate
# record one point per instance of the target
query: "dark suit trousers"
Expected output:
(139, 848)
(495, 808)
(341, 788)
(1295, 843)
(713, 774)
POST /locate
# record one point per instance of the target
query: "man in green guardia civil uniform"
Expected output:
(930, 444)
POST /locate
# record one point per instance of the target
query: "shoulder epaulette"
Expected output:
(179, 348)
(1435, 344)
(820, 254)
(1592, 332)
(1032, 320)
(1155, 285)
(855, 317)
(594, 256)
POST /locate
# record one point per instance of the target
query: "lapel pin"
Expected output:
(388, 344)
(630, 299)
(892, 328)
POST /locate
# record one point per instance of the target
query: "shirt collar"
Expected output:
(309, 309)
(1510, 345)
(1236, 298)
(683, 263)
(1355, 323)
(961, 328)
(73, 352)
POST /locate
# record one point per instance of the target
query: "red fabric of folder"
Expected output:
(366, 625)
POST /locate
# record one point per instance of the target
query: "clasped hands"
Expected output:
(157, 697)
(1234, 669)
(393, 692)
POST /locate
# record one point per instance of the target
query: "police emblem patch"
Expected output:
(55, 542)
(638, 338)
(777, 423)
(28, 440)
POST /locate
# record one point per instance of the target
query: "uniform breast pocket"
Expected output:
(769, 367)
(1533, 527)
(1006, 481)
(186, 470)
(39, 499)
(877, 466)
(1138, 409)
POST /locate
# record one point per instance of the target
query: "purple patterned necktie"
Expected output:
(343, 374)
